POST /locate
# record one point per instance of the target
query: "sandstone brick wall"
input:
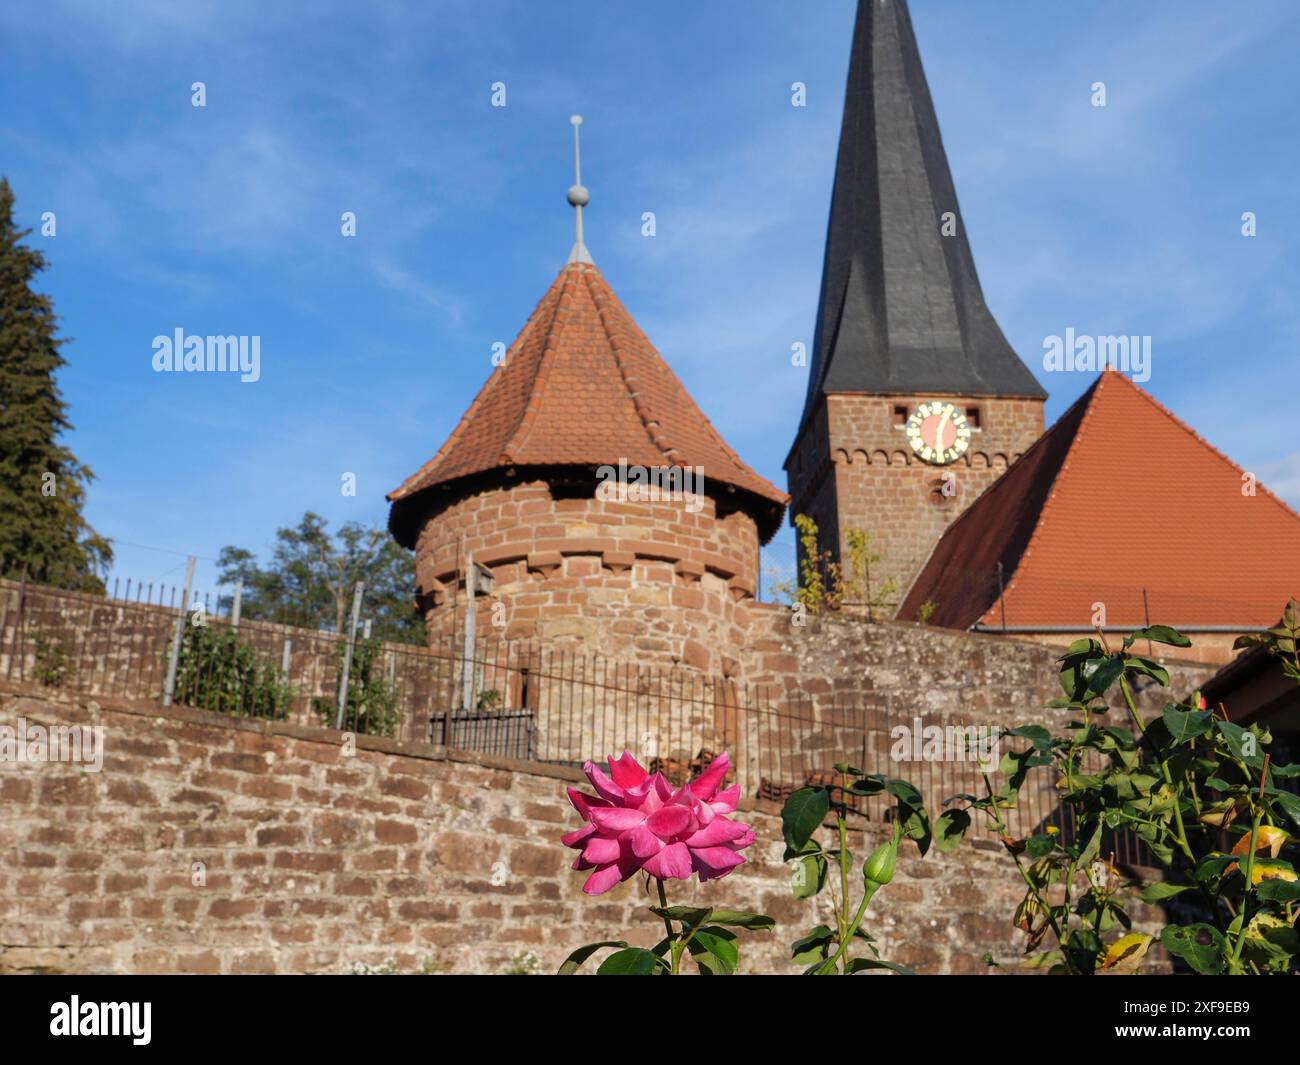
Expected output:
(316, 862)
(852, 468)
(649, 579)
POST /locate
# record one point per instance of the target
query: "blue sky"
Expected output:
(225, 219)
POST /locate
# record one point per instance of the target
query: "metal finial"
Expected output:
(578, 196)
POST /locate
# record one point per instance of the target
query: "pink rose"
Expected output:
(637, 821)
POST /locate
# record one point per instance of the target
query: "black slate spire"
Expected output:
(901, 311)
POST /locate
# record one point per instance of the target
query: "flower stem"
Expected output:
(1183, 845)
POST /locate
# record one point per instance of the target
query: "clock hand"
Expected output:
(938, 432)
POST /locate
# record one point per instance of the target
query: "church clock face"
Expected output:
(938, 432)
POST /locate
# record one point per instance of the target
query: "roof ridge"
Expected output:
(1042, 441)
(544, 365)
(1089, 397)
(704, 419)
(628, 376)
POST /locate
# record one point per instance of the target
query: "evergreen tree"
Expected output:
(43, 536)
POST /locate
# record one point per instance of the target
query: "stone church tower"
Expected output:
(916, 402)
(542, 483)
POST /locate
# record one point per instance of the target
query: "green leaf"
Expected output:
(634, 961)
(1091, 850)
(1288, 802)
(808, 876)
(1046, 958)
(812, 946)
(574, 961)
(1036, 734)
(1105, 674)
(802, 814)
(847, 770)
(912, 818)
(1040, 846)
(811, 847)
(1200, 945)
(1235, 737)
(1185, 725)
(1160, 891)
(755, 922)
(1084, 946)
(1281, 891)
(1160, 634)
(719, 943)
(949, 828)
(858, 965)
(1148, 668)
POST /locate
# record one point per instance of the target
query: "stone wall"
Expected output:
(212, 845)
(318, 858)
(852, 469)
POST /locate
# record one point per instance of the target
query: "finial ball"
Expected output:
(579, 196)
(575, 120)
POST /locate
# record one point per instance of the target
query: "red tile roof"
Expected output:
(1117, 497)
(583, 386)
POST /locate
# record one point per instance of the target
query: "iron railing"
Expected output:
(536, 703)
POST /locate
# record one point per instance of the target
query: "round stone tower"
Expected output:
(605, 507)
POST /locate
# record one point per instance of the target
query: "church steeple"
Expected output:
(916, 402)
(901, 310)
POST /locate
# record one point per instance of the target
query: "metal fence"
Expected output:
(536, 703)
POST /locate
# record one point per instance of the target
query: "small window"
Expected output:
(973, 418)
(900, 417)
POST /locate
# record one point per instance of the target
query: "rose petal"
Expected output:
(602, 880)
(582, 802)
(725, 801)
(601, 851)
(605, 787)
(572, 839)
(643, 842)
(718, 832)
(626, 772)
(615, 819)
(712, 862)
(671, 863)
(705, 786)
(669, 820)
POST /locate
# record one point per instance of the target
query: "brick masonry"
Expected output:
(315, 861)
(852, 468)
(663, 581)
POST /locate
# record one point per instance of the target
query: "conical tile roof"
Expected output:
(582, 386)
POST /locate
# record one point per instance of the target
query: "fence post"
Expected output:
(357, 592)
(286, 657)
(234, 607)
(1001, 599)
(467, 667)
(169, 688)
